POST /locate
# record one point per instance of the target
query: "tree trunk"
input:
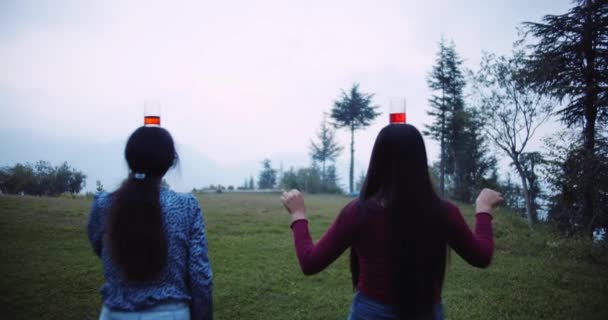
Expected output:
(442, 159)
(532, 219)
(442, 171)
(323, 180)
(352, 158)
(590, 115)
(589, 168)
(443, 151)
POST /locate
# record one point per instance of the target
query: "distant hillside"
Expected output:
(105, 161)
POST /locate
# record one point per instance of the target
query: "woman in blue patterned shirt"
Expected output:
(151, 240)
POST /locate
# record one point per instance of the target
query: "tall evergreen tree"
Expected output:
(564, 176)
(447, 107)
(326, 149)
(289, 180)
(478, 166)
(331, 180)
(268, 176)
(438, 81)
(251, 183)
(570, 61)
(99, 186)
(353, 110)
(360, 180)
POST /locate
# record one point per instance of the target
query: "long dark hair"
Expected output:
(398, 177)
(135, 227)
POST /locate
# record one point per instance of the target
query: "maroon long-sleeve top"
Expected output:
(372, 247)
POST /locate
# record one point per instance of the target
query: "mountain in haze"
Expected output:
(105, 161)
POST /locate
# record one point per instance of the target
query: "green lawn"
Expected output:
(49, 271)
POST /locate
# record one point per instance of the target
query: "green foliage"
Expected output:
(99, 187)
(353, 110)
(310, 180)
(248, 184)
(513, 111)
(360, 181)
(447, 106)
(45, 253)
(477, 165)
(565, 178)
(434, 172)
(268, 176)
(463, 165)
(513, 195)
(290, 181)
(569, 60)
(331, 180)
(326, 149)
(41, 179)
(251, 185)
(439, 81)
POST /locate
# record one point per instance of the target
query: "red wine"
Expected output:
(152, 121)
(397, 117)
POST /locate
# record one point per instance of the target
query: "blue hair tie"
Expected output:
(139, 176)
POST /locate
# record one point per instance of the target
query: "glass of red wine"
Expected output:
(397, 113)
(151, 113)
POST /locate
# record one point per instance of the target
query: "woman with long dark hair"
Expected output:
(151, 240)
(398, 230)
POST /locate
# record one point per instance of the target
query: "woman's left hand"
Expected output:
(294, 203)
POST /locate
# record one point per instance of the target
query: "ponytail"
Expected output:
(135, 232)
(137, 241)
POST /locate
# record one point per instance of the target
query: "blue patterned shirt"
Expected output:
(187, 275)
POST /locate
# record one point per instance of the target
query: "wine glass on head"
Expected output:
(151, 113)
(397, 114)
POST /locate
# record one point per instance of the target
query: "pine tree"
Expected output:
(478, 165)
(563, 173)
(289, 180)
(326, 149)
(438, 81)
(354, 110)
(99, 186)
(332, 179)
(570, 61)
(447, 107)
(268, 176)
(360, 181)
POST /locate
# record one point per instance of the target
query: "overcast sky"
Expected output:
(237, 80)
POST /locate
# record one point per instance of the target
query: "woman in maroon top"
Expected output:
(398, 230)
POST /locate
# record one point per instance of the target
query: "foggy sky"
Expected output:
(237, 80)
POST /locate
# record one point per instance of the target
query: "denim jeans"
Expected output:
(364, 308)
(167, 311)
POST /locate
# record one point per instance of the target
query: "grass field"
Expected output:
(49, 271)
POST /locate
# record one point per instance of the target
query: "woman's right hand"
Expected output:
(487, 200)
(294, 203)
